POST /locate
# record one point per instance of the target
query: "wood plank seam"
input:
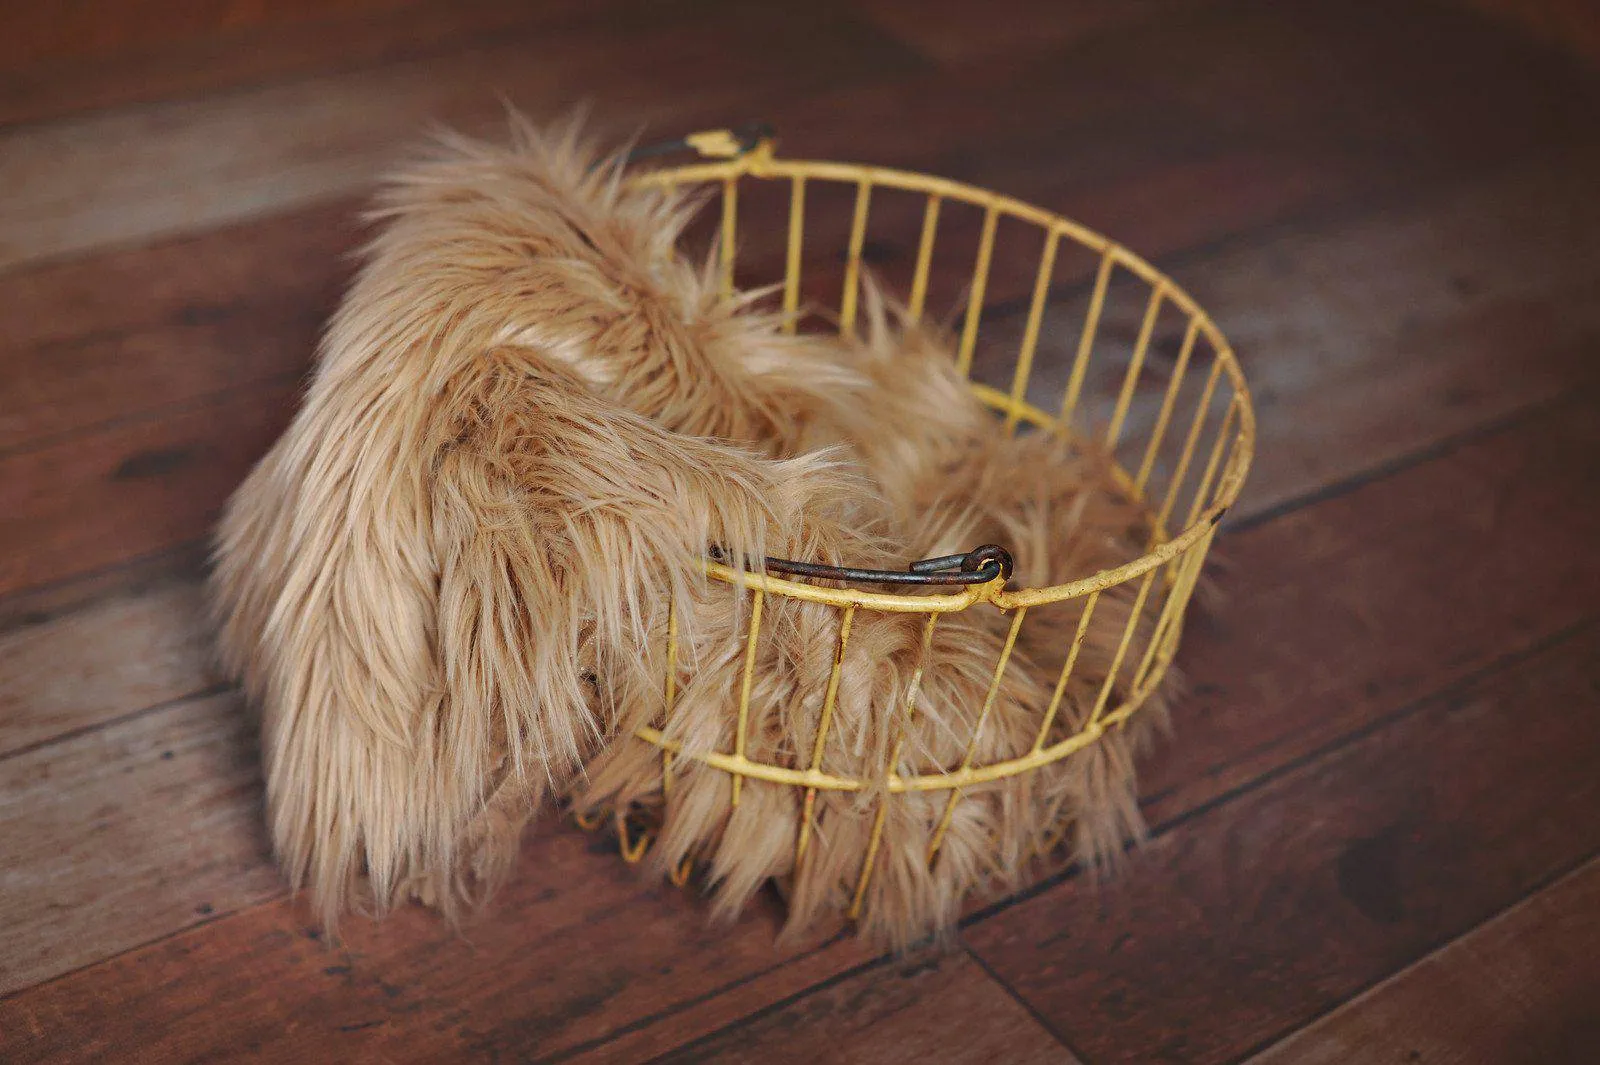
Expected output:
(765, 1011)
(1358, 205)
(1331, 490)
(471, 42)
(579, 1049)
(109, 568)
(1043, 1022)
(1460, 686)
(206, 692)
(1439, 449)
(153, 414)
(185, 560)
(1552, 880)
(202, 922)
(1499, 664)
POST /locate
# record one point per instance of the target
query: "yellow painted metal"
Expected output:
(919, 280)
(980, 284)
(1164, 475)
(852, 269)
(822, 729)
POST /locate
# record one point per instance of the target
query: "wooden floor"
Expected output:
(1376, 836)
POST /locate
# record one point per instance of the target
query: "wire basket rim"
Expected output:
(757, 159)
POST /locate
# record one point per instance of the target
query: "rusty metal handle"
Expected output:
(978, 566)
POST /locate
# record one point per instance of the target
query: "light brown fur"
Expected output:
(447, 585)
(952, 479)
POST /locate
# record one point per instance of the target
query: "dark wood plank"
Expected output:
(116, 335)
(1379, 596)
(685, 1022)
(1573, 26)
(1325, 581)
(1243, 923)
(230, 310)
(1366, 338)
(140, 576)
(124, 834)
(1519, 988)
(1427, 297)
(576, 947)
(957, 34)
(59, 61)
(109, 177)
(1373, 600)
(119, 654)
(132, 489)
(943, 1009)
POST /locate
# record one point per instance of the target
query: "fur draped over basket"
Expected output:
(448, 585)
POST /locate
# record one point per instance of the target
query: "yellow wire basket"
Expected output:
(1142, 370)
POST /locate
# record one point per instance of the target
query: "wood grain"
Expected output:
(1519, 988)
(1365, 338)
(195, 320)
(127, 175)
(576, 947)
(1388, 207)
(957, 34)
(1249, 920)
(1376, 597)
(117, 655)
(942, 1009)
(135, 488)
(112, 336)
(1342, 657)
(127, 833)
(1427, 297)
(66, 60)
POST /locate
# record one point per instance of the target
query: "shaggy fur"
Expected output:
(465, 523)
(447, 586)
(952, 479)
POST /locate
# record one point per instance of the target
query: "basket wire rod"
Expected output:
(980, 282)
(919, 279)
(977, 731)
(1203, 490)
(1175, 629)
(669, 696)
(1177, 598)
(1164, 416)
(885, 177)
(679, 875)
(633, 850)
(852, 270)
(942, 780)
(1089, 604)
(826, 722)
(1134, 616)
(1091, 325)
(742, 729)
(1030, 334)
(1186, 456)
(1130, 380)
(1163, 644)
(730, 227)
(791, 272)
(912, 689)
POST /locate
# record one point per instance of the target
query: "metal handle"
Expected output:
(728, 143)
(978, 566)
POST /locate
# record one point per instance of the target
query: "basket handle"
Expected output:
(726, 143)
(978, 566)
